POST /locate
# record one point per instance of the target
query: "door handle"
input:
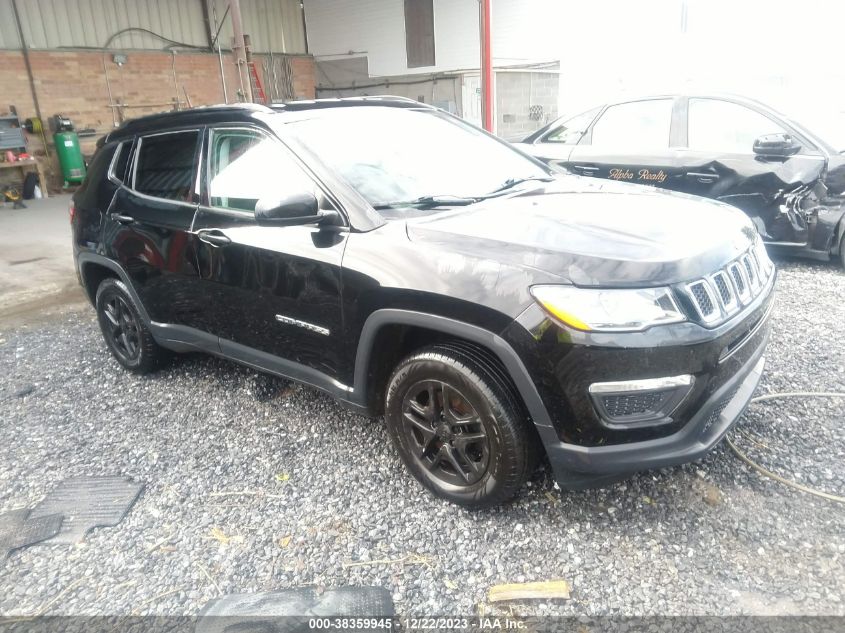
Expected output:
(587, 169)
(214, 237)
(122, 219)
(703, 178)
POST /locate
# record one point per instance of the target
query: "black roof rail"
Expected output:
(178, 117)
(341, 102)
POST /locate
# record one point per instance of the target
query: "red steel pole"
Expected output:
(487, 88)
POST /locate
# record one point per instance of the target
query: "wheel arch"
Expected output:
(371, 371)
(94, 268)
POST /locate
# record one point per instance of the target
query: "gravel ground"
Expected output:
(255, 485)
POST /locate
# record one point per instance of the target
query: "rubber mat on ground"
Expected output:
(19, 529)
(289, 611)
(86, 503)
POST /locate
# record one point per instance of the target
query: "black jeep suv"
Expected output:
(414, 266)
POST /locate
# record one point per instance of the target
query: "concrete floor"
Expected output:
(36, 260)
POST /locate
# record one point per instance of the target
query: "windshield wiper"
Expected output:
(428, 202)
(513, 182)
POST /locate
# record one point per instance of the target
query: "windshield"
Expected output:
(394, 156)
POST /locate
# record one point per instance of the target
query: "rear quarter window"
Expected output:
(166, 165)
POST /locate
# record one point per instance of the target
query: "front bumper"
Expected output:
(577, 467)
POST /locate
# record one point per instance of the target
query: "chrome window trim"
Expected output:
(110, 173)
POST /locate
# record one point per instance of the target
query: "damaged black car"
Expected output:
(735, 150)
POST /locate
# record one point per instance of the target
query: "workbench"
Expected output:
(25, 165)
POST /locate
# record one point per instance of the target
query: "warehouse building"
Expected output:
(99, 62)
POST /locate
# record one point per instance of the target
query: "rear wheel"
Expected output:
(126, 336)
(458, 427)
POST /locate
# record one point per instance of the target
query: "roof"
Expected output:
(244, 111)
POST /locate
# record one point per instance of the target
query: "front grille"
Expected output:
(633, 404)
(720, 295)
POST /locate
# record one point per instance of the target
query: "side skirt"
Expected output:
(180, 338)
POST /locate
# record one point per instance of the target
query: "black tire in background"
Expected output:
(458, 426)
(126, 336)
(842, 251)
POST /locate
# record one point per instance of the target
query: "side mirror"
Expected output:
(295, 209)
(776, 146)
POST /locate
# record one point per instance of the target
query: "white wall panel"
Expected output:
(524, 31)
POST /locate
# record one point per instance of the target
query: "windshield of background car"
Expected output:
(398, 154)
(570, 131)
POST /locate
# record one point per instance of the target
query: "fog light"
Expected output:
(638, 402)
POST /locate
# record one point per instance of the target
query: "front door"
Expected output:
(150, 225)
(719, 162)
(629, 142)
(270, 289)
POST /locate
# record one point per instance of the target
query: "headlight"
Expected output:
(613, 310)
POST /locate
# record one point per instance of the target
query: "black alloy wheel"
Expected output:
(124, 331)
(448, 434)
(459, 426)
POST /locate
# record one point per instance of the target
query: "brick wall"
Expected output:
(73, 83)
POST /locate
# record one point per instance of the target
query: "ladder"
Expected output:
(258, 95)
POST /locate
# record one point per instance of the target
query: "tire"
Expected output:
(842, 252)
(126, 336)
(478, 451)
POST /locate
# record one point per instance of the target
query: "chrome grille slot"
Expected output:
(749, 268)
(722, 294)
(704, 300)
(725, 289)
(740, 283)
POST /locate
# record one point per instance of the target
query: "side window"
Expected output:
(245, 166)
(165, 166)
(571, 130)
(722, 126)
(121, 161)
(638, 125)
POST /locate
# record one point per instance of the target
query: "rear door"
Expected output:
(149, 224)
(718, 162)
(630, 142)
(270, 289)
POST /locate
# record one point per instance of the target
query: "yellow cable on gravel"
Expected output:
(770, 474)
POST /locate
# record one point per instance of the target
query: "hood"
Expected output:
(596, 233)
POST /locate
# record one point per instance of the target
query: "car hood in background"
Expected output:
(595, 233)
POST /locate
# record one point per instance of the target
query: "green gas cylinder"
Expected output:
(70, 157)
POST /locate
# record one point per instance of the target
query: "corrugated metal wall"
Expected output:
(273, 25)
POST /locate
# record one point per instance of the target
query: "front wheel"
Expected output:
(458, 427)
